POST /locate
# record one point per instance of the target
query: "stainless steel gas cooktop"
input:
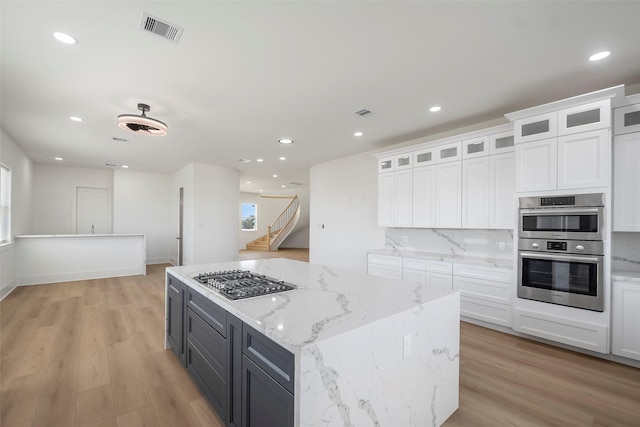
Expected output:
(239, 284)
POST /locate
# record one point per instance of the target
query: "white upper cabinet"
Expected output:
(476, 147)
(586, 117)
(501, 143)
(626, 119)
(626, 182)
(424, 194)
(536, 128)
(502, 189)
(424, 157)
(385, 165)
(403, 198)
(583, 160)
(475, 192)
(537, 165)
(449, 152)
(448, 195)
(403, 161)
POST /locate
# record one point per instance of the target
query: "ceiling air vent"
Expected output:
(162, 28)
(295, 183)
(363, 112)
(115, 138)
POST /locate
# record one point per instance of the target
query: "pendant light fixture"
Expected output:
(142, 124)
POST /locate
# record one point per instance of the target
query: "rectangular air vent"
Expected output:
(363, 112)
(162, 28)
(115, 138)
(295, 183)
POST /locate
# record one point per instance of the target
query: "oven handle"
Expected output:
(559, 257)
(556, 211)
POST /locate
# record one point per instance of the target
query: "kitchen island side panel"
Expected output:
(363, 377)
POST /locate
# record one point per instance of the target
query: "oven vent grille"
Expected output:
(162, 28)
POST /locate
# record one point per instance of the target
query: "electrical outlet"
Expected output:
(406, 346)
(502, 246)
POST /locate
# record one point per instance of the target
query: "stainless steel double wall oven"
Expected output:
(561, 250)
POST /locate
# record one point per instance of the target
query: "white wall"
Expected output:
(21, 206)
(54, 195)
(268, 210)
(142, 205)
(211, 214)
(344, 198)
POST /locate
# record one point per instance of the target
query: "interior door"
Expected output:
(93, 210)
(180, 224)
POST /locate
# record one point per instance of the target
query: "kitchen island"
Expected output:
(344, 348)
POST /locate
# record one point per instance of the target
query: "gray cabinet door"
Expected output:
(175, 317)
(265, 403)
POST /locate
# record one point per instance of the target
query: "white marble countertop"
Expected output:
(46, 236)
(629, 276)
(328, 301)
(494, 262)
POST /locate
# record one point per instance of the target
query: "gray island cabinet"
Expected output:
(343, 349)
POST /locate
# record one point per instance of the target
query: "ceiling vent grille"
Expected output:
(115, 138)
(363, 112)
(162, 28)
(295, 183)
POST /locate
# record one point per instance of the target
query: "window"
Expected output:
(249, 217)
(5, 204)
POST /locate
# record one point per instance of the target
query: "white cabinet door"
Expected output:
(448, 195)
(403, 198)
(385, 199)
(626, 182)
(627, 119)
(583, 160)
(535, 128)
(625, 319)
(502, 188)
(536, 165)
(439, 281)
(475, 192)
(424, 187)
(385, 266)
(585, 117)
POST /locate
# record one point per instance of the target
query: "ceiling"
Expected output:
(245, 74)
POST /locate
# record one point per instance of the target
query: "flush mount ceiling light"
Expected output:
(65, 38)
(600, 55)
(435, 108)
(358, 134)
(285, 141)
(142, 124)
(75, 119)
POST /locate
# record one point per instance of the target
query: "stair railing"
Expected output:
(283, 220)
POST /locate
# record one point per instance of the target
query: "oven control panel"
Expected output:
(579, 247)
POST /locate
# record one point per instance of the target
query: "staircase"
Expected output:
(279, 229)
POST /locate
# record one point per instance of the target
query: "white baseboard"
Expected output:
(159, 260)
(7, 289)
(80, 275)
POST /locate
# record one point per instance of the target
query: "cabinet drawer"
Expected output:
(487, 290)
(536, 127)
(504, 275)
(209, 311)
(209, 342)
(439, 266)
(415, 276)
(626, 119)
(582, 118)
(487, 311)
(269, 356)
(385, 260)
(414, 263)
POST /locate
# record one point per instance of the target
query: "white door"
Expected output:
(93, 210)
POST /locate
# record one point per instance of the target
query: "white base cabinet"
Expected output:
(385, 266)
(625, 340)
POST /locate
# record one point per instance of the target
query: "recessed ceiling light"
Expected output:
(275, 176)
(125, 167)
(435, 108)
(283, 186)
(259, 160)
(58, 158)
(247, 182)
(65, 38)
(285, 141)
(75, 119)
(358, 134)
(600, 55)
(260, 190)
(283, 158)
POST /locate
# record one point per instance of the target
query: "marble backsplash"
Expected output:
(625, 250)
(480, 243)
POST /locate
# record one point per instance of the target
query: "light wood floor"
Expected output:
(90, 353)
